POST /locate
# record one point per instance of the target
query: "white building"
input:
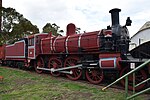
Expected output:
(142, 36)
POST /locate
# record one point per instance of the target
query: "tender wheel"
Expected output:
(139, 77)
(76, 72)
(95, 76)
(39, 63)
(55, 63)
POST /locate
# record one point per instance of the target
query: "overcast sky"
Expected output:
(89, 15)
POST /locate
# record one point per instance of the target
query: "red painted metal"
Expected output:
(71, 29)
(108, 55)
(2, 52)
(94, 76)
(55, 63)
(139, 77)
(31, 52)
(18, 59)
(107, 64)
(47, 45)
(107, 33)
(39, 63)
(89, 41)
(110, 61)
(34, 47)
(59, 44)
(72, 43)
(71, 61)
(38, 38)
(16, 50)
(117, 63)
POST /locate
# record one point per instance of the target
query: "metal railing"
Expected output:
(134, 85)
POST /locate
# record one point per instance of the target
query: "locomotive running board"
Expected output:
(61, 70)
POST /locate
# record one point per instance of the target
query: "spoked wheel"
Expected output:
(139, 77)
(55, 63)
(76, 72)
(39, 63)
(95, 76)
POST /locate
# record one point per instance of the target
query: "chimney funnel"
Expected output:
(115, 16)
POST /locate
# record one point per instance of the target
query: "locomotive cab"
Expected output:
(34, 44)
(31, 47)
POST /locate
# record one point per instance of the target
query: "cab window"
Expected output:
(31, 42)
(37, 40)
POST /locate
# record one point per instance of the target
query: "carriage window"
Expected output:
(31, 42)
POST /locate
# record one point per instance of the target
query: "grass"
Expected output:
(25, 85)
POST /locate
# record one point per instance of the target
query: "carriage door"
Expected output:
(31, 48)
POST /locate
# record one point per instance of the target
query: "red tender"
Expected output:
(16, 50)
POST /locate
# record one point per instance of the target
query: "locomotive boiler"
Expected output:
(89, 55)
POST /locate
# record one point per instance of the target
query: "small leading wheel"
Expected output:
(39, 63)
(55, 63)
(94, 76)
(139, 77)
(76, 72)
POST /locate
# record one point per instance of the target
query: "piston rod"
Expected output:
(47, 69)
(65, 68)
(61, 69)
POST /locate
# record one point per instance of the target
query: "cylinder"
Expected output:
(110, 63)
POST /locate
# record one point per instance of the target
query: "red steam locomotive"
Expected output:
(91, 55)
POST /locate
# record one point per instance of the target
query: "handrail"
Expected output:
(142, 82)
(137, 68)
(148, 89)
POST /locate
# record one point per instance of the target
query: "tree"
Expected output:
(15, 26)
(25, 27)
(47, 28)
(52, 28)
